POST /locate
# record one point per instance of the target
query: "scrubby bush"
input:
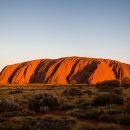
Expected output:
(28, 124)
(128, 108)
(101, 126)
(107, 99)
(15, 91)
(77, 113)
(125, 81)
(50, 122)
(108, 127)
(89, 92)
(67, 106)
(72, 92)
(3, 119)
(8, 106)
(113, 109)
(42, 102)
(104, 116)
(114, 83)
(91, 113)
(117, 91)
(84, 104)
(19, 123)
(123, 119)
(47, 122)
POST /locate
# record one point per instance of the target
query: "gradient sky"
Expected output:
(34, 29)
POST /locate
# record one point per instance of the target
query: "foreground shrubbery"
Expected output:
(16, 91)
(72, 92)
(91, 113)
(88, 126)
(114, 83)
(128, 108)
(121, 118)
(42, 102)
(8, 106)
(109, 114)
(86, 104)
(117, 91)
(125, 82)
(107, 99)
(47, 122)
(50, 122)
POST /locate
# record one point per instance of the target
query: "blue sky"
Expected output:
(35, 29)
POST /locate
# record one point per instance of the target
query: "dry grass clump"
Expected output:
(72, 92)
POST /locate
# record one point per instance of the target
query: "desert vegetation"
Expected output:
(61, 107)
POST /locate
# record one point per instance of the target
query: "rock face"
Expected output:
(64, 70)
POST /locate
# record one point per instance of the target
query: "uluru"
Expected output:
(64, 71)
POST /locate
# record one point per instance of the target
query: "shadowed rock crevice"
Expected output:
(54, 70)
(117, 68)
(13, 74)
(33, 78)
(72, 70)
(83, 75)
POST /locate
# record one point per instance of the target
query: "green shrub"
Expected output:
(107, 99)
(72, 92)
(8, 106)
(42, 102)
(114, 83)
